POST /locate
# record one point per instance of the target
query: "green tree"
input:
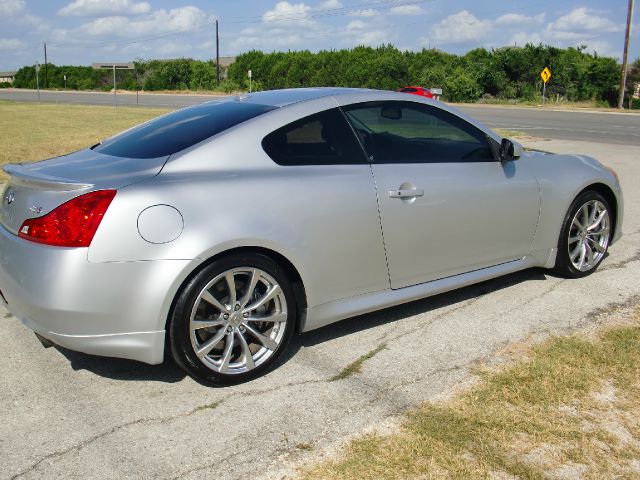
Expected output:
(203, 76)
(461, 87)
(508, 72)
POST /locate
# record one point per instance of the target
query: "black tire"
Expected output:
(564, 265)
(209, 367)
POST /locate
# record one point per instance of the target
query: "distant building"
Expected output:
(226, 61)
(7, 77)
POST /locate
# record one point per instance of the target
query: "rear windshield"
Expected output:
(181, 129)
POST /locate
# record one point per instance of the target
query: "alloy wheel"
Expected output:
(238, 320)
(588, 235)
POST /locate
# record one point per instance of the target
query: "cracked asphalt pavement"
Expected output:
(69, 415)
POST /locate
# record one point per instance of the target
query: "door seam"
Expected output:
(384, 243)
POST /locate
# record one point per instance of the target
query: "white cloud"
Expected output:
(11, 44)
(25, 24)
(461, 27)
(407, 10)
(564, 37)
(517, 19)
(59, 35)
(97, 8)
(355, 25)
(265, 40)
(176, 20)
(330, 5)
(170, 48)
(602, 48)
(579, 27)
(11, 7)
(288, 14)
(522, 38)
(584, 20)
(375, 37)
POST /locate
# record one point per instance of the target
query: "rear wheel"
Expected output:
(585, 235)
(233, 319)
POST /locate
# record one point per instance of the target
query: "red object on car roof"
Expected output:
(422, 91)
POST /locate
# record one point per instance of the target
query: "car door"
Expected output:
(446, 205)
(325, 192)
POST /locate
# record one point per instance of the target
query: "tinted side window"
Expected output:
(407, 132)
(180, 129)
(321, 139)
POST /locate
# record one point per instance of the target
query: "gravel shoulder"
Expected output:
(70, 415)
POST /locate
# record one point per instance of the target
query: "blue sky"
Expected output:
(79, 32)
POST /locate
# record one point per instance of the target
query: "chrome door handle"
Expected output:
(406, 193)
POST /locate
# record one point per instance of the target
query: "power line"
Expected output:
(134, 41)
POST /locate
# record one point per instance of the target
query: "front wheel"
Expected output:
(233, 319)
(585, 235)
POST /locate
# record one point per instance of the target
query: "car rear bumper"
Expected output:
(115, 309)
(147, 347)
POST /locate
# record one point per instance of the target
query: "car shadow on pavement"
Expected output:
(425, 305)
(122, 369)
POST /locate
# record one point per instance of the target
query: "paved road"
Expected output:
(69, 415)
(602, 127)
(100, 98)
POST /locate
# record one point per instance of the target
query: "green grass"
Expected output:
(208, 406)
(356, 366)
(549, 103)
(571, 404)
(510, 133)
(30, 132)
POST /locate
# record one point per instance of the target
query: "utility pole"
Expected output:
(38, 79)
(46, 78)
(623, 74)
(115, 88)
(217, 54)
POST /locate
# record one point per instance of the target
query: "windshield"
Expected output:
(180, 129)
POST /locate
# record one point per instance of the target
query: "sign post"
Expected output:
(545, 75)
(250, 75)
(114, 67)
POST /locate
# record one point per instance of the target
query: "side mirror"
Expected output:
(509, 150)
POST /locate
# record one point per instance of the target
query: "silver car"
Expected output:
(217, 231)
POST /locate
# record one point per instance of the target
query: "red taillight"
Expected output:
(72, 224)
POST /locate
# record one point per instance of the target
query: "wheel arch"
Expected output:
(292, 273)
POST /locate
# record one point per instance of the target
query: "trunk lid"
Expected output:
(34, 189)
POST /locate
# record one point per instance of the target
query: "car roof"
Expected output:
(343, 96)
(282, 98)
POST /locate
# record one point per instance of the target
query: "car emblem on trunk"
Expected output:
(10, 196)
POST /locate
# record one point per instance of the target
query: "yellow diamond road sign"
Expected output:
(545, 74)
